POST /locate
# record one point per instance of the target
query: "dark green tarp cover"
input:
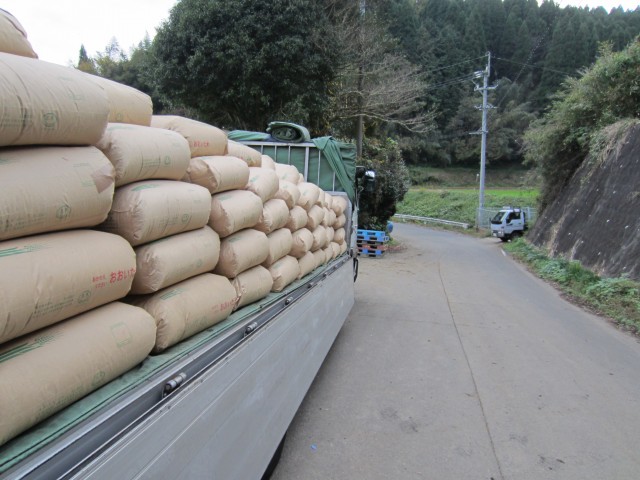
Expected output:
(245, 136)
(288, 132)
(342, 158)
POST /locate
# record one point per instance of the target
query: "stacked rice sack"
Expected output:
(165, 220)
(123, 233)
(310, 225)
(63, 332)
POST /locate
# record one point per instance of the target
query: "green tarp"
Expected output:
(245, 135)
(342, 159)
(288, 132)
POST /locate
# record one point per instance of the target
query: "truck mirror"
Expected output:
(370, 181)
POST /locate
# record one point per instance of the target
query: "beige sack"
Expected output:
(320, 256)
(248, 154)
(309, 194)
(325, 217)
(302, 242)
(267, 162)
(319, 238)
(320, 202)
(263, 182)
(47, 278)
(13, 36)
(343, 248)
(339, 204)
(329, 252)
(297, 218)
(241, 251)
(332, 218)
(339, 236)
(126, 104)
(280, 243)
(52, 368)
(340, 221)
(336, 249)
(234, 211)
(218, 173)
(188, 307)
(284, 272)
(288, 173)
(149, 210)
(275, 215)
(307, 264)
(170, 260)
(144, 153)
(44, 189)
(47, 104)
(252, 285)
(288, 192)
(330, 233)
(203, 139)
(315, 216)
(328, 200)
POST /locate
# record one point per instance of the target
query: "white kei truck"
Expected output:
(509, 222)
(218, 405)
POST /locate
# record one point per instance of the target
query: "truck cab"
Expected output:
(508, 223)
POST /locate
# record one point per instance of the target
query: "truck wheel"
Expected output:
(274, 460)
(506, 238)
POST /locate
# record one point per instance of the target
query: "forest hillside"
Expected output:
(400, 69)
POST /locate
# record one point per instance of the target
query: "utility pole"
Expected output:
(485, 107)
(360, 119)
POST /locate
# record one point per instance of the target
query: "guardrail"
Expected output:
(416, 218)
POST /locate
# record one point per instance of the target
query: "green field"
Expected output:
(456, 177)
(460, 204)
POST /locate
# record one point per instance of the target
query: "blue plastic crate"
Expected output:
(377, 235)
(370, 252)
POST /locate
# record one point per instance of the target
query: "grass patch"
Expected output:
(616, 298)
(460, 204)
(455, 177)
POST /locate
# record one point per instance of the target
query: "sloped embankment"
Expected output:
(596, 218)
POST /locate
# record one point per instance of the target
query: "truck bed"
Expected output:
(214, 406)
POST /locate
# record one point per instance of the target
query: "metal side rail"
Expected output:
(416, 218)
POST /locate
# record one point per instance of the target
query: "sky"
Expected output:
(57, 28)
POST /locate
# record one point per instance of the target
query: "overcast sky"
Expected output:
(57, 28)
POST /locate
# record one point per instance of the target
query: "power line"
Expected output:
(532, 66)
(452, 81)
(455, 64)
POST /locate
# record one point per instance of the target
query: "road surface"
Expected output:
(456, 363)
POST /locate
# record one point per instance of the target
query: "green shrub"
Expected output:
(392, 183)
(607, 92)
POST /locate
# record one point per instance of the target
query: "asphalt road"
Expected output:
(456, 363)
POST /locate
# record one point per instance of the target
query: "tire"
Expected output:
(274, 460)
